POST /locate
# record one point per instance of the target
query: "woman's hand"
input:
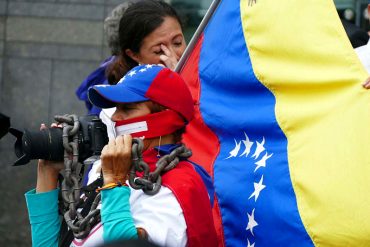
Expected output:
(366, 84)
(116, 159)
(48, 171)
(168, 58)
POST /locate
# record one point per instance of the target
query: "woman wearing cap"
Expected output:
(153, 103)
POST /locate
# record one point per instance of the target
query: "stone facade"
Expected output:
(47, 47)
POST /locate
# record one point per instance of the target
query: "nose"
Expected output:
(173, 51)
(118, 115)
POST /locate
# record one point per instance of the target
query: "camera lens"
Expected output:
(45, 144)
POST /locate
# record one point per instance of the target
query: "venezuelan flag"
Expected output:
(282, 125)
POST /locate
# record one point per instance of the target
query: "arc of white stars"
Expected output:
(258, 187)
(259, 149)
(248, 144)
(132, 73)
(262, 162)
(249, 244)
(251, 222)
(235, 151)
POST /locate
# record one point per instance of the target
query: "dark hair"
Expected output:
(139, 20)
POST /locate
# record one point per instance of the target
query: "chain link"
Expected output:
(71, 188)
(149, 182)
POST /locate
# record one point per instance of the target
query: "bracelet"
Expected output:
(111, 186)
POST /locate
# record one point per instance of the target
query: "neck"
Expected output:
(154, 142)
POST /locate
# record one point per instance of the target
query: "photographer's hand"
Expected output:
(47, 172)
(116, 159)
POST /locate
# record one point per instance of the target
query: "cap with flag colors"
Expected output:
(282, 124)
(143, 83)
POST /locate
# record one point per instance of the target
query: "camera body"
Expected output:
(48, 143)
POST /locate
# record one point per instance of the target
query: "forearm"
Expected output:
(44, 218)
(116, 215)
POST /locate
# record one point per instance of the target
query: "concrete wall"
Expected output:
(47, 47)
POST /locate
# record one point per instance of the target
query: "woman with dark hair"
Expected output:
(150, 32)
(152, 103)
(145, 32)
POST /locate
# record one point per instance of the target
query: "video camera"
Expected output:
(48, 143)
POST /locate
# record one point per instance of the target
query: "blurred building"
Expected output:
(47, 47)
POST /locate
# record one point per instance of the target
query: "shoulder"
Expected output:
(160, 215)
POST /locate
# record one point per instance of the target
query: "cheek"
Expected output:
(179, 51)
(151, 59)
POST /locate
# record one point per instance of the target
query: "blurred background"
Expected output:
(47, 47)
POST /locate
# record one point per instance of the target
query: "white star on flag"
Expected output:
(251, 222)
(122, 79)
(258, 187)
(259, 149)
(132, 73)
(262, 162)
(142, 70)
(249, 244)
(248, 144)
(148, 66)
(235, 151)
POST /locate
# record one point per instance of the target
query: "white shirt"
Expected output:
(363, 53)
(160, 215)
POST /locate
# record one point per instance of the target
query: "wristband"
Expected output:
(111, 186)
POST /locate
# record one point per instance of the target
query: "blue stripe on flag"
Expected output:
(237, 107)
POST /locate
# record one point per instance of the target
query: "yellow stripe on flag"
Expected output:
(299, 50)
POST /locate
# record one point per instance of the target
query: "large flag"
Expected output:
(282, 125)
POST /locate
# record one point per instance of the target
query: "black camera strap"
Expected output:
(66, 235)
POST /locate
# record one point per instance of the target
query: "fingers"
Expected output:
(128, 143)
(53, 125)
(56, 125)
(168, 58)
(166, 51)
(119, 147)
(366, 84)
(123, 145)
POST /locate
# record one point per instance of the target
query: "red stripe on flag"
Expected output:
(198, 137)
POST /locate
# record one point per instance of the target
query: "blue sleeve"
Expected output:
(44, 218)
(116, 215)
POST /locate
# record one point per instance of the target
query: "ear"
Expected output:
(133, 55)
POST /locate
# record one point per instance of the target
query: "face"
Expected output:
(130, 110)
(169, 34)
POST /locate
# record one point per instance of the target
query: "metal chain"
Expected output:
(70, 188)
(149, 182)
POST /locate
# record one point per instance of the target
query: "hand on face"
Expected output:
(116, 159)
(168, 57)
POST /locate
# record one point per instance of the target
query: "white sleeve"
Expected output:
(363, 53)
(161, 216)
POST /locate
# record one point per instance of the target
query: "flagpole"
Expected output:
(197, 34)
